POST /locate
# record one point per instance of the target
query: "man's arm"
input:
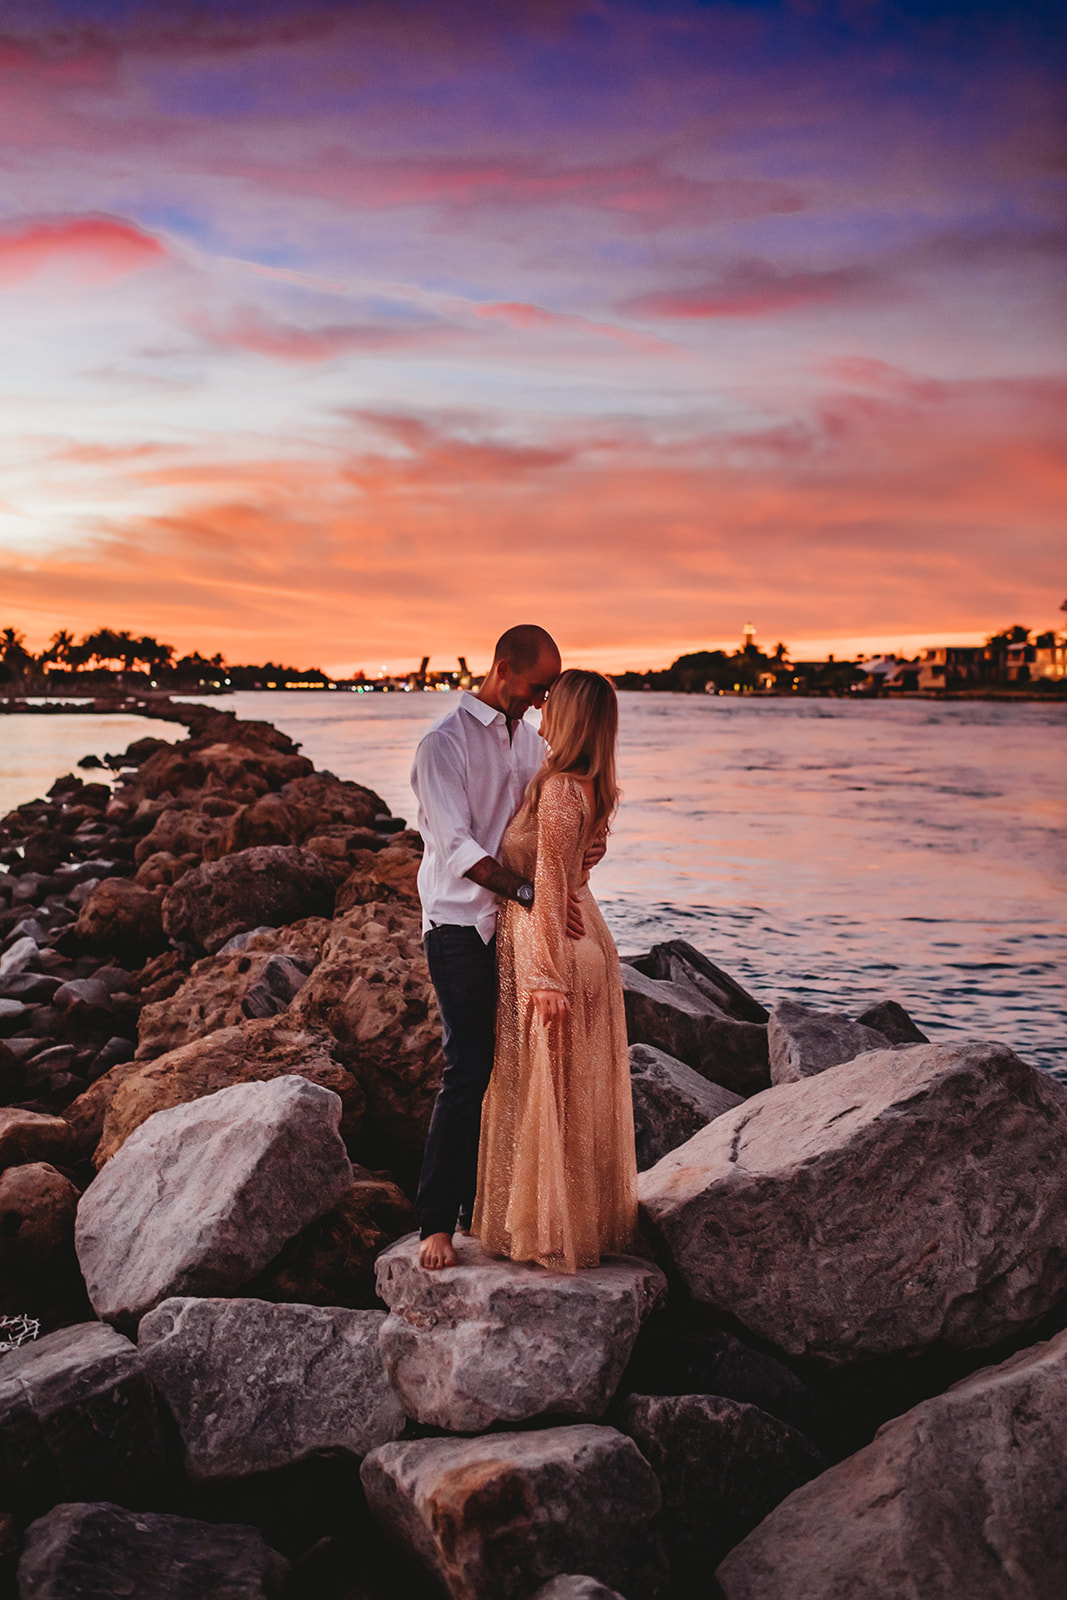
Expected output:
(489, 874)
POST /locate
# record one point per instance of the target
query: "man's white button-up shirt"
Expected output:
(469, 779)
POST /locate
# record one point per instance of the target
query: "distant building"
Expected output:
(1042, 656)
(950, 666)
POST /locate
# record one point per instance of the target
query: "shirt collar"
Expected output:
(478, 708)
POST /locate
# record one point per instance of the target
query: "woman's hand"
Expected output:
(595, 853)
(549, 1004)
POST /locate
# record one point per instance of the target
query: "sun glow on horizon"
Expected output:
(335, 337)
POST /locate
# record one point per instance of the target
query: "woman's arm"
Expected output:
(560, 819)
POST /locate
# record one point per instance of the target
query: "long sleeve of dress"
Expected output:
(546, 961)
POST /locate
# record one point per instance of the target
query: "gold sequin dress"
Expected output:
(557, 1174)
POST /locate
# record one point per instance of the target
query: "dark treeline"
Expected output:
(99, 658)
(110, 659)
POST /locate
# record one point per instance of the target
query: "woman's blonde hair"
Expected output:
(580, 723)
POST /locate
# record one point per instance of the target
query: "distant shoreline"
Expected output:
(160, 704)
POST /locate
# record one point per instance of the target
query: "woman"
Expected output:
(557, 1175)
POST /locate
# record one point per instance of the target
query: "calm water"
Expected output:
(830, 850)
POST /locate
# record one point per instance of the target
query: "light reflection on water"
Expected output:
(831, 850)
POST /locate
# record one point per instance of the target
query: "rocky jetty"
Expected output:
(837, 1353)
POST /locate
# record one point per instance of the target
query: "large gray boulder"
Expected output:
(77, 1416)
(671, 1102)
(722, 1466)
(903, 1200)
(500, 1341)
(269, 884)
(677, 1017)
(202, 1196)
(97, 1551)
(804, 1041)
(677, 961)
(966, 1495)
(255, 1386)
(493, 1518)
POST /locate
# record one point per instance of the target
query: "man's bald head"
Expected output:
(523, 646)
(526, 663)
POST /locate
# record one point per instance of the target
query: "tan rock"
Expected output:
(86, 1114)
(255, 1051)
(334, 854)
(215, 995)
(122, 917)
(27, 1136)
(242, 768)
(305, 806)
(180, 831)
(37, 1209)
(163, 868)
(266, 885)
(303, 940)
(382, 875)
(372, 992)
(160, 977)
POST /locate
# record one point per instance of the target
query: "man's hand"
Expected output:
(596, 852)
(575, 925)
(549, 1004)
(489, 874)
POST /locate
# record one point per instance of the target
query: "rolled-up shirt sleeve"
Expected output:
(439, 778)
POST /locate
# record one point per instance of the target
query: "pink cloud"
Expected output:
(252, 331)
(647, 188)
(518, 314)
(754, 289)
(438, 455)
(94, 249)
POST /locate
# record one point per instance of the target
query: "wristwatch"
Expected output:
(524, 894)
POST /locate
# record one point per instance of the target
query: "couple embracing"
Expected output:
(531, 1143)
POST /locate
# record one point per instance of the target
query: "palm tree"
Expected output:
(13, 653)
(103, 646)
(153, 654)
(59, 649)
(128, 648)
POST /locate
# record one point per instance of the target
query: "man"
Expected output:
(470, 774)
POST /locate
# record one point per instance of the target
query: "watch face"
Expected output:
(525, 894)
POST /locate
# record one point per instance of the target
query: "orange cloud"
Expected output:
(437, 542)
(95, 249)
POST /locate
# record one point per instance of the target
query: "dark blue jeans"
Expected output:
(463, 969)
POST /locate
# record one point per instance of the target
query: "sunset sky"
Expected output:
(349, 333)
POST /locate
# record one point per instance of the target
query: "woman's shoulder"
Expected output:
(564, 786)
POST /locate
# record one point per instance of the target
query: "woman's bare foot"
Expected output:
(436, 1252)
